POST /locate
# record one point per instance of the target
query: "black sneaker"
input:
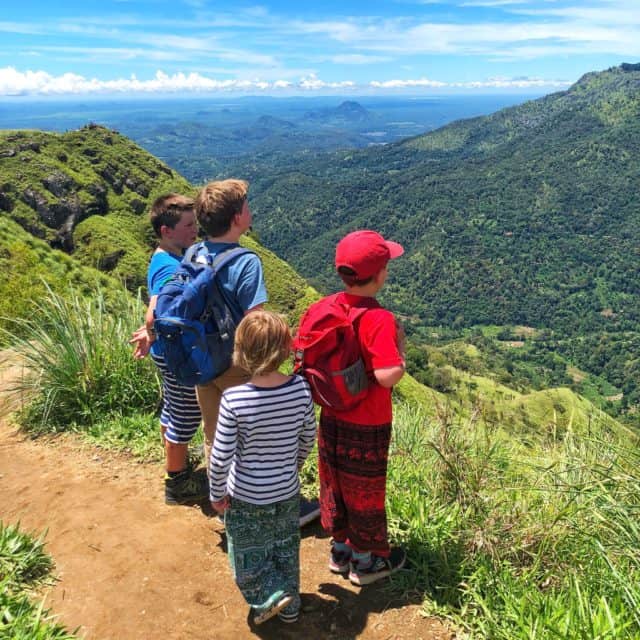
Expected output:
(378, 568)
(309, 511)
(188, 487)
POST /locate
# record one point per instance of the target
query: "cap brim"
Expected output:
(395, 249)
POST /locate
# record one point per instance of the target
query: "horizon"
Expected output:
(134, 48)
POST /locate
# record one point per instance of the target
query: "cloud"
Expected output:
(16, 83)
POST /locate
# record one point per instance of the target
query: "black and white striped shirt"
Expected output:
(263, 435)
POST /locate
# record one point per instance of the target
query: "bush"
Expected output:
(78, 364)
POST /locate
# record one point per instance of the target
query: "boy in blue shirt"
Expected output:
(174, 223)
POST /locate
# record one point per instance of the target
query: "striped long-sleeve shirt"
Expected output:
(263, 435)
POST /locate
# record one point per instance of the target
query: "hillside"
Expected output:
(50, 182)
(530, 216)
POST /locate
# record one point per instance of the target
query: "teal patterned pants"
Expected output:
(264, 549)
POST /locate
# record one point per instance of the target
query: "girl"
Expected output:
(266, 428)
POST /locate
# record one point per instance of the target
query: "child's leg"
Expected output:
(250, 543)
(332, 510)
(263, 547)
(287, 555)
(363, 474)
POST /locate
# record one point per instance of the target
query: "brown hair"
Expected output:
(262, 342)
(167, 211)
(217, 204)
(350, 278)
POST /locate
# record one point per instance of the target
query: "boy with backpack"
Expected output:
(355, 396)
(173, 220)
(223, 214)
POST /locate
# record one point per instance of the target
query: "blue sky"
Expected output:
(297, 47)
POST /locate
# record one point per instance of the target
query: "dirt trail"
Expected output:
(130, 567)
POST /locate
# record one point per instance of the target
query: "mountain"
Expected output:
(88, 191)
(529, 216)
(347, 111)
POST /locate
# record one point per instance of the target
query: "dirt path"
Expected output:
(130, 567)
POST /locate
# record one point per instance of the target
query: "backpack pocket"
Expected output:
(183, 344)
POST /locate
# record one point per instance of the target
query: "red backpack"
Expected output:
(327, 353)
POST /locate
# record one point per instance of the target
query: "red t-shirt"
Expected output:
(378, 341)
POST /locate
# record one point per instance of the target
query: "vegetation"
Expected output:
(24, 566)
(529, 217)
(518, 514)
(513, 540)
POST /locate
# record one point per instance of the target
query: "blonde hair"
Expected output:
(218, 202)
(262, 342)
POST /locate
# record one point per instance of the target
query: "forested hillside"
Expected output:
(530, 216)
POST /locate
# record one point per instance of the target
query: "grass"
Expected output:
(513, 541)
(79, 369)
(24, 566)
(512, 532)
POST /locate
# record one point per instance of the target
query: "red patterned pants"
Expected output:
(352, 464)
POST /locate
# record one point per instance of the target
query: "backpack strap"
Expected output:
(192, 253)
(216, 263)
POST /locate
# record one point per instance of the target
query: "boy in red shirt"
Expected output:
(353, 445)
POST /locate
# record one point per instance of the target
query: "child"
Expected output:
(353, 445)
(174, 223)
(265, 430)
(223, 214)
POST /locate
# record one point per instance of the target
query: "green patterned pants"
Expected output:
(264, 549)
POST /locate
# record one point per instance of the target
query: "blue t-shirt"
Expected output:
(242, 279)
(161, 267)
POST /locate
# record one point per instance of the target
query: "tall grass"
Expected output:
(78, 364)
(23, 566)
(513, 541)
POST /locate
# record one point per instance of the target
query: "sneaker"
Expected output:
(309, 511)
(339, 561)
(276, 603)
(379, 568)
(186, 488)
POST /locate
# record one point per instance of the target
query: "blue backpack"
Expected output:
(194, 322)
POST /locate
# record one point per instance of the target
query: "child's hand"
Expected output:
(140, 338)
(221, 505)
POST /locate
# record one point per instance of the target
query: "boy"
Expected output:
(353, 445)
(174, 223)
(223, 214)
(265, 431)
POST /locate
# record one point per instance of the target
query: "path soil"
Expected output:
(130, 567)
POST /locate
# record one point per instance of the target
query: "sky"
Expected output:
(302, 47)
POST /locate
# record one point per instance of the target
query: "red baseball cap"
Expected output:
(366, 253)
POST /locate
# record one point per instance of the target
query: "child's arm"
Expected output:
(222, 452)
(307, 434)
(390, 376)
(144, 335)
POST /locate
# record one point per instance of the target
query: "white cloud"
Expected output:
(16, 83)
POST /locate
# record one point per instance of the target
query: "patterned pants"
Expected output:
(352, 464)
(264, 549)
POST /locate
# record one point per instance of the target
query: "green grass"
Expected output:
(78, 363)
(514, 541)
(24, 566)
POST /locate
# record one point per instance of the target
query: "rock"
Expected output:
(59, 183)
(6, 203)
